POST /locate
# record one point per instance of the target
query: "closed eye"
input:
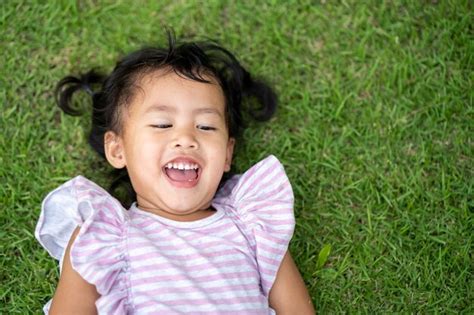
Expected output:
(206, 128)
(162, 126)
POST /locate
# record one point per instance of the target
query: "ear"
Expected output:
(114, 149)
(229, 153)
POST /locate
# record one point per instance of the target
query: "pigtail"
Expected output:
(264, 95)
(69, 85)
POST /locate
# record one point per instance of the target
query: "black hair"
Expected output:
(244, 95)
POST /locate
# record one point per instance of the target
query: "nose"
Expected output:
(184, 139)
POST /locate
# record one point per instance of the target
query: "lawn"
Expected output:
(375, 129)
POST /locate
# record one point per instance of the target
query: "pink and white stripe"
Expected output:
(142, 263)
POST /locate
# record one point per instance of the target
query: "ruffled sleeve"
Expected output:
(98, 253)
(262, 198)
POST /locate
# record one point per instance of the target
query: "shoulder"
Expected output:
(262, 200)
(72, 204)
(82, 225)
(263, 192)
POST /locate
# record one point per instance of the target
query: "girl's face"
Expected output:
(175, 145)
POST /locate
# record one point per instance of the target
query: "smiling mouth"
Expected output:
(182, 174)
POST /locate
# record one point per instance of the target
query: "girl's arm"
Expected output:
(288, 294)
(73, 295)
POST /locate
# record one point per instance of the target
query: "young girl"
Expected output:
(191, 242)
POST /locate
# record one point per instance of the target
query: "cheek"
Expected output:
(219, 146)
(144, 149)
(224, 156)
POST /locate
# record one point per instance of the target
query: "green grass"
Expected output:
(375, 129)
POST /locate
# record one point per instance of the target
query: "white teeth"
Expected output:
(182, 166)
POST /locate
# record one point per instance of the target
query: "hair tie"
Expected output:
(88, 89)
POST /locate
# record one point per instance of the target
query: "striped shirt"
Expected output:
(142, 263)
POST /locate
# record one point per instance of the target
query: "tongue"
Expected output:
(181, 175)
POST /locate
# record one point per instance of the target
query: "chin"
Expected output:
(182, 208)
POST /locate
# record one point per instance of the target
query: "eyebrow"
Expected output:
(159, 108)
(207, 110)
(165, 108)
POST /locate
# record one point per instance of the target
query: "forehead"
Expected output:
(168, 90)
